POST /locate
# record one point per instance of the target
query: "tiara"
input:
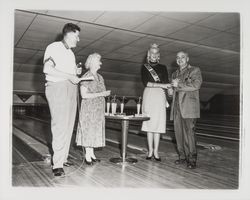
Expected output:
(154, 46)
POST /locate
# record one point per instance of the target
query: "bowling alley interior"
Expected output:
(122, 38)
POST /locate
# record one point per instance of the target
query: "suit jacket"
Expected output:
(188, 89)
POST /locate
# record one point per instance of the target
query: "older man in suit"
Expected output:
(186, 82)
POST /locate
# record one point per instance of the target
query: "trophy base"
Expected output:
(126, 161)
(123, 114)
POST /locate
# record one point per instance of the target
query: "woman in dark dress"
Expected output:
(155, 79)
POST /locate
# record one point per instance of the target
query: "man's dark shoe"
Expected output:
(58, 172)
(68, 164)
(191, 165)
(88, 162)
(180, 161)
(95, 160)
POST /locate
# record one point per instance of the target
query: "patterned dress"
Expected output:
(91, 125)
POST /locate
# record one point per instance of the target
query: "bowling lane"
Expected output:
(216, 169)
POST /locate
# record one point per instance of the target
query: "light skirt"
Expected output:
(154, 106)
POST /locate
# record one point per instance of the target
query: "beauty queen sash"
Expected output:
(152, 72)
(155, 77)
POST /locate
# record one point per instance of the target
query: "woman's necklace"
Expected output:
(152, 64)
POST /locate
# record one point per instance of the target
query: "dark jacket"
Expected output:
(188, 89)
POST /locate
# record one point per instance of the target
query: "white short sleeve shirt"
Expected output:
(63, 58)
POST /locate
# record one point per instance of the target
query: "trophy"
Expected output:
(138, 105)
(122, 104)
(108, 104)
(113, 105)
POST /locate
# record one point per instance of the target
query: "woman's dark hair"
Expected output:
(70, 28)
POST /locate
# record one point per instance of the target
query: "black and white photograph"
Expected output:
(145, 102)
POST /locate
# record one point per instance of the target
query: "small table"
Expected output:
(125, 125)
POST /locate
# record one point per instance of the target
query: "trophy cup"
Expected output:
(113, 105)
(138, 105)
(108, 105)
(122, 104)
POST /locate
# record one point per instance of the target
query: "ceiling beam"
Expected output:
(131, 31)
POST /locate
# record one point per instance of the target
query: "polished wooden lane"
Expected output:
(217, 169)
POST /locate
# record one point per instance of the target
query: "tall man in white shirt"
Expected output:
(61, 92)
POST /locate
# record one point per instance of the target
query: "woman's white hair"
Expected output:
(90, 59)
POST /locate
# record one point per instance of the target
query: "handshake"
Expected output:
(173, 84)
(170, 86)
(167, 86)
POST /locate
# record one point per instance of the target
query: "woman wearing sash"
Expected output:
(155, 79)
